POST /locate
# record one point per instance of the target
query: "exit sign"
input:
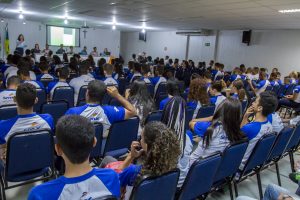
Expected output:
(207, 44)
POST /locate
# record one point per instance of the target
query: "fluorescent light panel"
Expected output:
(289, 11)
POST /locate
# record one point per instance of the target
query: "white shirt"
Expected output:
(9, 69)
(183, 163)
(7, 97)
(13, 72)
(78, 82)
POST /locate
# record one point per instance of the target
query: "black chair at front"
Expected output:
(42, 98)
(81, 94)
(96, 152)
(29, 158)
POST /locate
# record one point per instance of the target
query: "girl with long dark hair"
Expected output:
(140, 98)
(173, 89)
(221, 131)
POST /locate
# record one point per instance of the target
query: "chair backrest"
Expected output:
(64, 93)
(280, 143)
(120, 138)
(159, 98)
(81, 94)
(231, 159)
(96, 152)
(295, 139)
(188, 117)
(55, 108)
(159, 187)
(29, 155)
(150, 89)
(154, 116)
(8, 111)
(161, 90)
(42, 98)
(206, 111)
(46, 81)
(260, 152)
(122, 85)
(244, 105)
(200, 177)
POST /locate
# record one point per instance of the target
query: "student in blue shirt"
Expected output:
(274, 80)
(44, 69)
(159, 149)
(261, 85)
(293, 100)
(97, 113)
(220, 132)
(63, 74)
(7, 96)
(215, 91)
(136, 72)
(197, 95)
(264, 105)
(172, 88)
(158, 78)
(145, 73)
(108, 71)
(26, 120)
(24, 75)
(237, 90)
(75, 140)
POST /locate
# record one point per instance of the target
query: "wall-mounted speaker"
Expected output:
(247, 37)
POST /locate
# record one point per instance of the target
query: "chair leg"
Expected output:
(230, 189)
(259, 185)
(278, 174)
(292, 161)
(3, 195)
(235, 189)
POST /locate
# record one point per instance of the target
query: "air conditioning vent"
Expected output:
(202, 32)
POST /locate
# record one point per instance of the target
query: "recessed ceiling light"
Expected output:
(289, 11)
(113, 27)
(66, 21)
(143, 30)
(21, 16)
(24, 23)
(112, 3)
(2, 20)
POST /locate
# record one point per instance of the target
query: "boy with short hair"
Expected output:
(7, 96)
(63, 75)
(24, 75)
(44, 69)
(108, 71)
(264, 105)
(26, 120)
(262, 84)
(75, 141)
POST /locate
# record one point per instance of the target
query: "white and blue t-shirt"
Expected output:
(110, 81)
(163, 103)
(219, 74)
(146, 79)
(24, 123)
(261, 86)
(297, 91)
(156, 81)
(218, 142)
(276, 122)
(106, 115)
(196, 105)
(37, 84)
(53, 85)
(234, 77)
(217, 100)
(274, 83)
(45, 76)
(7, 97)
(254, 131)
(135, 75)
(78, 82)
(93, 185)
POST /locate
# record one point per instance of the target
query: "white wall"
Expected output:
(268, 48)
(198, 51)
(154, 46)
(35, 32)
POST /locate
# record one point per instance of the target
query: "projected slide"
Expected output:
(62, 35)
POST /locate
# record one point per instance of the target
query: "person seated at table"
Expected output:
(108, 71)
(71, 51)
(105, 52)
(61, 49)
(36, 48)
(46, 50)
(75, 141)
(94, 53)
(44, 69)
(83, 51)
(24, 75)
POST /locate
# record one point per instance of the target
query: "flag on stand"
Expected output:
(6, 43)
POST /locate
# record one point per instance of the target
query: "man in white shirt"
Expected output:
(82, 80)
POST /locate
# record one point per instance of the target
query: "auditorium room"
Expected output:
(150, 100)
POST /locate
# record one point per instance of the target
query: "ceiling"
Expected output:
(160, 14)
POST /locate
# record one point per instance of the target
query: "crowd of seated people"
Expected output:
(202, 86)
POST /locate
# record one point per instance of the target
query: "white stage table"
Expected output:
(83, 57)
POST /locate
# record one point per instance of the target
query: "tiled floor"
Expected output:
(248, 187)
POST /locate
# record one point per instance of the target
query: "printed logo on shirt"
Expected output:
(9, 97)
(116, 109)
(34, 126)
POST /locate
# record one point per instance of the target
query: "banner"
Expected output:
(6, 43)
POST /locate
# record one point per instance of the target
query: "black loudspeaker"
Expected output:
(142, 36)
(247, 37)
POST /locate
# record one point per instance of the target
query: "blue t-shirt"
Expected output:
(93, 185)
(234, 77)
(129, 174)
(201, 127)
(44, 76)
(22, 123)
(163, 103)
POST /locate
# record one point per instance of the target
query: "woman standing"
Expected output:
(21, 44)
